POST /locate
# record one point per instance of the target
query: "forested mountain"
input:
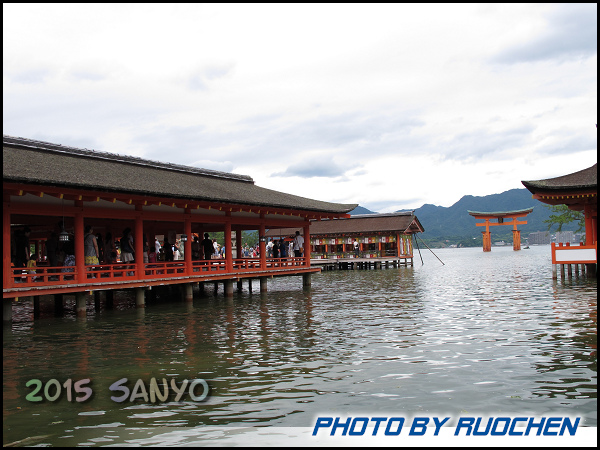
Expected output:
(455, 221)
(360, 210)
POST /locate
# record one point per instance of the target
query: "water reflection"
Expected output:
(482, 333)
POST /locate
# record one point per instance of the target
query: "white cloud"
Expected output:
(380, 104)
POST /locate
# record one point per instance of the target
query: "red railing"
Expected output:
(110, 273)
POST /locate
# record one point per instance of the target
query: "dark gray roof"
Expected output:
(43, 163)
(404, 222)
(500, 213)
(586, 179)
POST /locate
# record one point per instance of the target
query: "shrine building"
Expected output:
(579, 192)
(52, 190)
(378, 236)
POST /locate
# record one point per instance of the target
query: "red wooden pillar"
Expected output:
(187, 245)
(228, 249)
(262, 243)
(590, 226)
(7, 279)
(307, 244)
(138, 242)
(487, 238)
(239, 245)
(516, 239)
(79, 236)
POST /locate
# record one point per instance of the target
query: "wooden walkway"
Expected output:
(360, 263)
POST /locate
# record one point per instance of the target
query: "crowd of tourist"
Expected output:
(110, 250)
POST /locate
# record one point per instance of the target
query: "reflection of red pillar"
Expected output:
(516, 240)
(487, 241)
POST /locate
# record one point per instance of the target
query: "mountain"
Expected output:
(455, 220)
(360, 210)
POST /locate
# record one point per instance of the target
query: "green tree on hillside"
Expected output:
(563, 215)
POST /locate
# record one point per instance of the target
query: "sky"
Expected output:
(390, 106)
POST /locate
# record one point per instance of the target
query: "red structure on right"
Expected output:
(579, 191)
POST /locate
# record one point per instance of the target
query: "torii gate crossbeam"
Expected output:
(501, 216)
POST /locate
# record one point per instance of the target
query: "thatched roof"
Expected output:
(42, 163)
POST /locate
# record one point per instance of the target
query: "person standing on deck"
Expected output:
(196, 249)
(110, 250)
(356, 249)
(22, 254)
(90, 247)
(126, 245)
(298, 245)
(207, 247)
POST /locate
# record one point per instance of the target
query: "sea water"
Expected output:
(483, 334)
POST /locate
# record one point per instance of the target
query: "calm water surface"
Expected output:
(484, 334)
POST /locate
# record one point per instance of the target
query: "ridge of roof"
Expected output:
(75, 151)
(582, 179)
(377, 215)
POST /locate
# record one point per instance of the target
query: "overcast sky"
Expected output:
(389, 106)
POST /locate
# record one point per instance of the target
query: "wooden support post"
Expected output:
(59, 306)
(216, 288)
(591, 270)
(140, 300)
(554, 272)
(80, 304)
(306, 280)
(239, 285)
(36, 306)
(110, 299)
(97, 300)
(189, 292)
(228, 285)
(263, 284)
(7, 309)
(250, 285)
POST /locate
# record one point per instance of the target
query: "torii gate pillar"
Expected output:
(487, 241)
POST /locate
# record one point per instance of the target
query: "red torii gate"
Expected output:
(501, 216)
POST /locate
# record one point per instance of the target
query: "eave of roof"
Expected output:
(583, 180)
(368, 223)
(40, 163)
